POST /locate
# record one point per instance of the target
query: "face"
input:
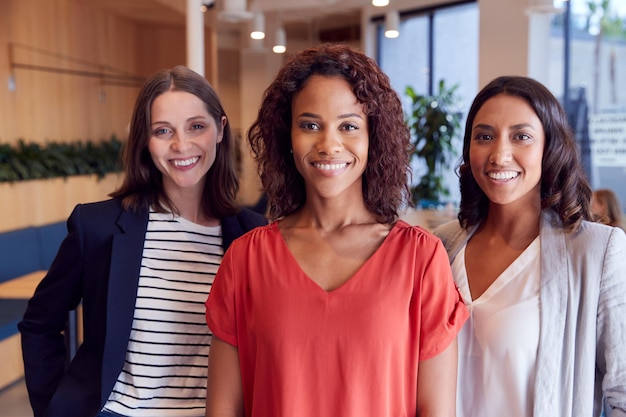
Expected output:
(598, 208)
(506, 150)
(183, 141)
(329, 137)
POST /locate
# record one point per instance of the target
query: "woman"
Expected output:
(544, 286)
(142, 264)
(336, 308)
(606, 208)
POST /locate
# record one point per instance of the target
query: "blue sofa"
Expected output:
(24, 251)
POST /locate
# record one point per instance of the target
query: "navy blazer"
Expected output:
(97, 264)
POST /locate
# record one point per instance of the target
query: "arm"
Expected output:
(43, 344)
(436, 382)
(224, 389)
(611, 332)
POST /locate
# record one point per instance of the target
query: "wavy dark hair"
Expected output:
(564, 186)
(143, 182)
(385, 180)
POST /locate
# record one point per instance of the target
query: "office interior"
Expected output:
(71, 69)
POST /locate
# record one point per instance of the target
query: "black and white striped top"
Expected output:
(166, 362)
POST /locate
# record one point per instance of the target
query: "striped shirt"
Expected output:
(166, 362)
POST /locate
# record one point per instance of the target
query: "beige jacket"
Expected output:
(582, 346)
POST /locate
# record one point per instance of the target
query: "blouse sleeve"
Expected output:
(443, 312)
(220, 305)
(611, 332)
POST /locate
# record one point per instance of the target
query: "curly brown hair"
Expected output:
(143, 182)
(564, 186)
(385, 180)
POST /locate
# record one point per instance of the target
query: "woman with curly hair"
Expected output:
(336, 308)
(544, 285)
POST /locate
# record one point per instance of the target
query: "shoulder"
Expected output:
(259, 233)
(102, 214)
(415, 233)
(259, 239)
(591, 241)
(592, 235)
(449, 231)
(106, 211)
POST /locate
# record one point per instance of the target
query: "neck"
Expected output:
(517, 227)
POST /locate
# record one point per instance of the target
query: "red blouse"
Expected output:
(349, 352)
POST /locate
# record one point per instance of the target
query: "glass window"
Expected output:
(416, 59)
(405, 58)
(596, 78)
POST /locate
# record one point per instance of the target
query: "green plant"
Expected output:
(27, 161)
(433, 122)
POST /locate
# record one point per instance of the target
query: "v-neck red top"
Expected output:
(352, 351)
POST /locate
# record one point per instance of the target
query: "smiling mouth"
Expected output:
(185, 162)
(330, 167)
(503, 176)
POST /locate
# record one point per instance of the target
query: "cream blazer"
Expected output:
(581, 357)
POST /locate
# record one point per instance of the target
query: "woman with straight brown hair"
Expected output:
(141, 265)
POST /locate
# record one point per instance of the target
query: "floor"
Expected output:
(14, 401)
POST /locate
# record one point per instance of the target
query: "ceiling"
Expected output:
(316, 13)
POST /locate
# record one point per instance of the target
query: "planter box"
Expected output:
(40, 202)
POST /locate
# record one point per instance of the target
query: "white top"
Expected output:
(166, 361)
(498, 344)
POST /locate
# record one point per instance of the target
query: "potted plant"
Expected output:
(434, 122)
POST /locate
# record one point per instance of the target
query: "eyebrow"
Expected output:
(190, 119)
(317, 116)
(517, 126)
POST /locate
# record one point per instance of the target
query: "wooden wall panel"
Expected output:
(66, 36)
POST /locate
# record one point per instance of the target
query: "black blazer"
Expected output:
(97, 264)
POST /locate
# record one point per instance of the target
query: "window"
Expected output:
(435, 44)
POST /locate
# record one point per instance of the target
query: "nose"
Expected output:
(329, 143)
(501, 153)
(180, 142)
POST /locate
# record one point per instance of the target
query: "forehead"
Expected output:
(325, 93)
(504, 108)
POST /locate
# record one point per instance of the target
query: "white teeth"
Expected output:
(185, 162)
(506, 175)
(330, 167)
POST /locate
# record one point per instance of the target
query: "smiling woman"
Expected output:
(183, 144)
(336, 288)
(141, 264)
(552, 299)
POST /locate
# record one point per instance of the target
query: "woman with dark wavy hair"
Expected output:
(544, 285)
(141, 265)
(336, 308)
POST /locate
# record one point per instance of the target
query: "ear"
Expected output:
(220, 133)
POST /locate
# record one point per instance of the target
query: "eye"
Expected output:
(161, 131)
(197, 126)
(350, 127)
(309, 125)
(522, 136)
(480, 136)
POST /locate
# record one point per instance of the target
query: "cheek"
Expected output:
(475, 162)
(153, 149)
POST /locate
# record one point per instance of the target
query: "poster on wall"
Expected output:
(607, 134)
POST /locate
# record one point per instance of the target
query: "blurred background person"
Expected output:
(606, 208)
